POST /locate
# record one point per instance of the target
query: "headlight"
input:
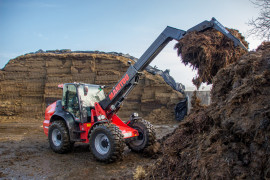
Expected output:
(112, 107)
(135, 114)
(129, 134)
(101, 117)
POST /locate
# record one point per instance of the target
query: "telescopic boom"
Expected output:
(116, 96)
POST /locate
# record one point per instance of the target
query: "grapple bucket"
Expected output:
(218, 26)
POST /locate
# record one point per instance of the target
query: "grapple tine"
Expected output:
(218, 26)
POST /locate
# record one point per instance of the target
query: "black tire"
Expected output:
(106, 142)
(146, 138)
(59, 137)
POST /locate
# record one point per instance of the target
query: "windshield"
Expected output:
(89, 94)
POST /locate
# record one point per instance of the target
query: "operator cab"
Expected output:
(79, 99)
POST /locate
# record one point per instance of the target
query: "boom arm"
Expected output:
(116, 96)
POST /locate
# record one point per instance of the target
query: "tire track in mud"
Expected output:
(25, 154)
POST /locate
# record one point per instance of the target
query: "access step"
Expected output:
(79, 140)
(78, 131)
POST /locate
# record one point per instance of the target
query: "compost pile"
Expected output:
(208, 52)
(229, 139)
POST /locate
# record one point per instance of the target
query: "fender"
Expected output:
(68, 118)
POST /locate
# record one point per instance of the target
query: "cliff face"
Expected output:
(28, 83)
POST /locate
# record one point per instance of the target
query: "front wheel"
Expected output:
(106, 142)
(59, 137)
(146, 138)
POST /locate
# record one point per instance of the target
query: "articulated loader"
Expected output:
(85, 114)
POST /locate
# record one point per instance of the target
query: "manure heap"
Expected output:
(230, 138)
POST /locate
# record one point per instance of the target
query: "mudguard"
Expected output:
(68, 118)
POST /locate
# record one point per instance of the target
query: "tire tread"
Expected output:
(117, 136)
(151, 135)
(66, 144)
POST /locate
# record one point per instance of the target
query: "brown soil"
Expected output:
(208, 52)
(229, 139)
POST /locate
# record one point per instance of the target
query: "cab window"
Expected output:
(70, 100)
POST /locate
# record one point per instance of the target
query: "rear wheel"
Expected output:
(147, 135)
(59, 137)
(106, 142)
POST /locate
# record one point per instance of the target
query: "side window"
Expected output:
(70, 100)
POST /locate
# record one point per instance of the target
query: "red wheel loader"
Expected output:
(85, 114)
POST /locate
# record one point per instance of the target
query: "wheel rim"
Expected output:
(56, 137)
(102, 144)
(140, 139)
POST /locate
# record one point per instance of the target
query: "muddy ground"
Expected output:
(25, 154)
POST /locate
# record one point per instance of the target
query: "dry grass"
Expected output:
(139, 173)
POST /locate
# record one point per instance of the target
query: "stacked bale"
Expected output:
(22, 86)
(29, 83)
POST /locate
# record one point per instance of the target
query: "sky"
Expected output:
(125, 26)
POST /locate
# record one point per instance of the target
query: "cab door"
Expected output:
(70, 100)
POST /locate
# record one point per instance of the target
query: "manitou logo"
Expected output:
(119, 86)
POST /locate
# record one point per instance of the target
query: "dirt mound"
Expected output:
(229, 139)
(208, 52)
(160, 115)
